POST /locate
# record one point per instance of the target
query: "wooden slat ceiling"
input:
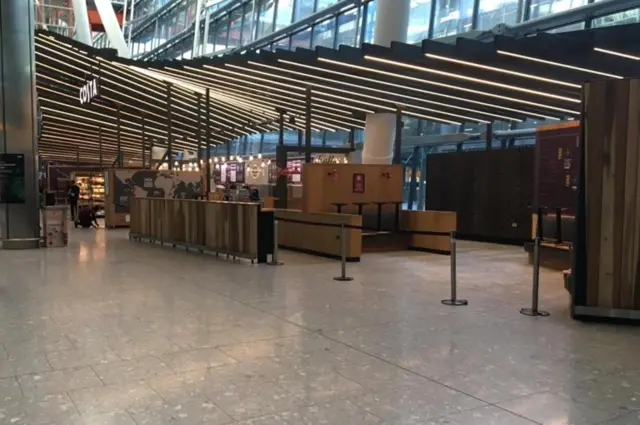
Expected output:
(508, 79)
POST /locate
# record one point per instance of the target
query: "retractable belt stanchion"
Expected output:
(274, 257)
(533, 311)
(454, 301)
(343, 254)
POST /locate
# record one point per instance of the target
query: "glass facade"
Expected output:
(233, 23)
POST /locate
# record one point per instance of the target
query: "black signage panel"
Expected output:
(12, 179)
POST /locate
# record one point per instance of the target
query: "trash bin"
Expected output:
(56, 226)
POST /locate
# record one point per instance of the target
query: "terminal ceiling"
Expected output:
(506, 79)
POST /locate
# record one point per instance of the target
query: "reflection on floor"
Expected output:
(113, 332)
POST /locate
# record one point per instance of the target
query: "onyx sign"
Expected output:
(89, 91)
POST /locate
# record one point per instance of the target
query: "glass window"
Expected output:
(284, 14)
(235, 28)
(325, 3)
(283, 43)
(370, 22)
(303, 9)
(191, 11)
(573, 27)
(347, 28)
(540, 8)
(222, 32)
(210, 45)
(265, 17)
(247, 24)
(494, 12)
(620, 18)
(419, 20)
(324, 32)
(410, 126)
(452, 17)
(301, 39)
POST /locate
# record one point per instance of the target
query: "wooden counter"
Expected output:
(317, 239)
(222, 227)
(429, 221)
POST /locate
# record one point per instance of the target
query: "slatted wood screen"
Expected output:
(609, 252)
(226, 227)
(491, 192)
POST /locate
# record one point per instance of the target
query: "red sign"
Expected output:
(358, 183)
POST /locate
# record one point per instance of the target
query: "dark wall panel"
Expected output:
(491, 191)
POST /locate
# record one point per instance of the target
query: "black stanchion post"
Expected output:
(274, 256)
(533, 311)
(343, 254)
(454, 301)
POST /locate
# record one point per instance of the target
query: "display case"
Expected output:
(91, 189)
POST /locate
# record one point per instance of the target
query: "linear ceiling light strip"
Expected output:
(423, 91)
(471, 79)
(389, 93)
(85, 143)
(64, 46)
(107, 138)
(558, 64)
(290, 105)
(68, 65)
(107, 133)
(251, 83)
(427, 117)
(503, 71)
(104, 107)
(242, 91)
(77, 123)
(191, 77)
(615, 53)
(88, 111)
(378, 99)
(58, 71)
(264, 80)
(453, 87)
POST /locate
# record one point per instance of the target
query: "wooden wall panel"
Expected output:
(610, 208)
(383, 183)
(491, 192)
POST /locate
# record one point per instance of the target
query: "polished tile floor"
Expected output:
(108, 331)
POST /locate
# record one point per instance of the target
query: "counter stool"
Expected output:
(338, 206)
(380, 204)
(398, 204)
(360, 206)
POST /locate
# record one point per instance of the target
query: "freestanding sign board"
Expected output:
(12, 179)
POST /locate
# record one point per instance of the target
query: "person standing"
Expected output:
(73, 196)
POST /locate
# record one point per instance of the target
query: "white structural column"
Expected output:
(392, 24)
(112, 27)
(81, 18)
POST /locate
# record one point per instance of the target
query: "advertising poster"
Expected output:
(12, 179)
(256, 173)
(154, 184)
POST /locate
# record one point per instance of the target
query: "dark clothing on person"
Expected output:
(74, 195)
(86, 218)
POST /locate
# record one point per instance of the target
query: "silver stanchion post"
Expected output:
(533, 311)
(343, 254)
(274, 256)
(454, 301)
